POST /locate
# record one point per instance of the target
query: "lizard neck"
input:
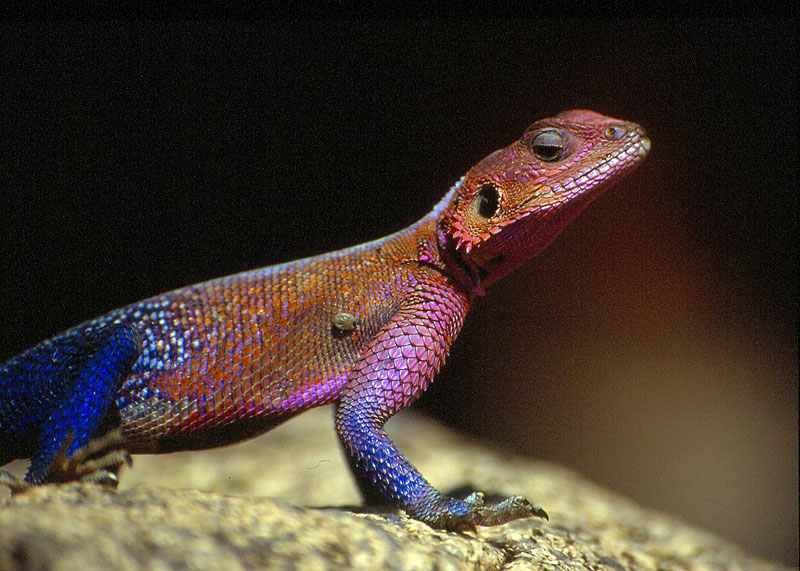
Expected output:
(436, 250)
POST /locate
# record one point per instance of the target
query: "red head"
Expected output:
(517, 200)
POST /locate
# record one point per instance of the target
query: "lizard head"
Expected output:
(514, 202)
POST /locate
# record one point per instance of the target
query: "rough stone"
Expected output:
(216, 509)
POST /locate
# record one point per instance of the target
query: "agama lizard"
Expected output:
(365, 328)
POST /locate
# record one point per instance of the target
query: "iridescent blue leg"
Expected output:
(385, 475)
(62, 392)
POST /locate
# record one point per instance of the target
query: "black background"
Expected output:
(652, 347)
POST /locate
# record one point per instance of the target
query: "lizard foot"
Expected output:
(466, 515)
(97, 462)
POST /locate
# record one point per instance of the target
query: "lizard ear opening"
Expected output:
(486, 203)
(479, 219)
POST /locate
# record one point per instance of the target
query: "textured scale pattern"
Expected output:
(258, 347)
(366, 328)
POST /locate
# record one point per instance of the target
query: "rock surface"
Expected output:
(214, 510)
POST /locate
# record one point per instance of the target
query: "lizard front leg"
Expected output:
(395, 369)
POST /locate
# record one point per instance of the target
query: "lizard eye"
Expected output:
(549, 145)
(487, 201)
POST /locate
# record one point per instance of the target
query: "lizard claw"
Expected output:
(97, 462)
(466, 515)
(515, 507)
